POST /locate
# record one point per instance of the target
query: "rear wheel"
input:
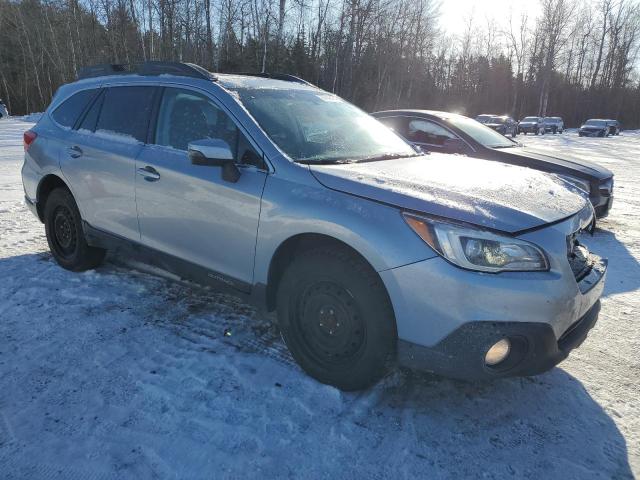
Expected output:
(336, 318)
(63, 226)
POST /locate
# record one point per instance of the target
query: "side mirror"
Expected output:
(214, 153)
(454, 145)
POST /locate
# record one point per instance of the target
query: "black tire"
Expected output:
(63, 225)
(336, 318)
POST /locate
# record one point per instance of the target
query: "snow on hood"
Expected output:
(485, 193)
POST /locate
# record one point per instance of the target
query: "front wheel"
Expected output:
(336, 318)
(63, 226)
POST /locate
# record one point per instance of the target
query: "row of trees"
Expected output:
(577, 59)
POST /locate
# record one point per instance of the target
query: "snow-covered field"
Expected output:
(121, 373)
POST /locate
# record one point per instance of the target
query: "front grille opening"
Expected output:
(580, 259)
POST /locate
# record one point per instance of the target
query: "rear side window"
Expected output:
(68, 112)
(126, 111)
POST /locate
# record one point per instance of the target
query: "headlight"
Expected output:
(476, 249)
(607, 185)
(576, 182)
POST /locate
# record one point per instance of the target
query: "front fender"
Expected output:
(295, 203)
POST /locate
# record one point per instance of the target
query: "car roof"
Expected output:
(218, 81)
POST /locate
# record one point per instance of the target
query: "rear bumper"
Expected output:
(535, 348)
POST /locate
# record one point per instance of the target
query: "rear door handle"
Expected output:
(149, 173)
(75, 151)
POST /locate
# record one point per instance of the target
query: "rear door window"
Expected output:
(67, 113)
(126, 112)
(91, 117)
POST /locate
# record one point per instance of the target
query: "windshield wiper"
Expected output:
(373, 158)
(323, 161)
(388, 156)
(504, 146)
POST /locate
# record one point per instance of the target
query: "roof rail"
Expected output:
(102, 70)
(277, 76)
(147, 68)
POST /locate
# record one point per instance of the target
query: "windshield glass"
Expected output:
(483, 118)
(315, 126)
(596, 123)
(481, 134)
(530, 119)
(496, 120)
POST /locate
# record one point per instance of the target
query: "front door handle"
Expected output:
(75, 151)
(149, 173)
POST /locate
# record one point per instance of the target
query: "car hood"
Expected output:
(485, 193)
(592, 127)
(494, 125)
(585, 167)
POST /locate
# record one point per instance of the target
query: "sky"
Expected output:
(455, 13)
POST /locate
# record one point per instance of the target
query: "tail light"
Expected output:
(28, 138)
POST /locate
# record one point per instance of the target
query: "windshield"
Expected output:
(315, 126)
(483, 118)
(530, 119)
(596, 123)
(481, 134)
(497, 120)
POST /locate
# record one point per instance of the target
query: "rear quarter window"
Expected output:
(68, 111)
(126, 111)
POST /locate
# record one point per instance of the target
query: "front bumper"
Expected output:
(602, 205)
(32, 206)
(535, 348)
(591, 133)
(528, 128)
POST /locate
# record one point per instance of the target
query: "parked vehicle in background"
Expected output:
(291, 197)
(614, 127)
(533, 125)
(594, 128)
(451, 133)
(485, 117)
(554, 124)
(4, 112)
(504, 124)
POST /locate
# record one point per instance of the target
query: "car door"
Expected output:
(100, 158)
(189, 211)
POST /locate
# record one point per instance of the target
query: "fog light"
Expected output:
(498, 352)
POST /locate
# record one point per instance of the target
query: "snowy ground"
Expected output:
(117, 373)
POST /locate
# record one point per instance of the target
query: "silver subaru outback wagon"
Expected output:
(370, 252)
